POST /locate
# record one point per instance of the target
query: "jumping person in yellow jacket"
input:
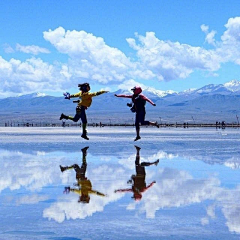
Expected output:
(83, 185)
(84, 103)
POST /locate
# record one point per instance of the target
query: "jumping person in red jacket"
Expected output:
(138, 181)
(139, 102)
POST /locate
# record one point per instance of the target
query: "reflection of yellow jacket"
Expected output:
(86, 97)
(86, 188)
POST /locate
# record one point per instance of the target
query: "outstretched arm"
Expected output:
(146, 188)
(98, 193)
(75, 95)
(78, 191)
(123, 96)
(97, 93)
(148, 100)
(150, 185)
(123, 190)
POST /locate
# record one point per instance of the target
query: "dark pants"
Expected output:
(80, 172)
(140, 167)
(140, 118)
(80, 114)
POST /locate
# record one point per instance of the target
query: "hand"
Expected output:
(115, 95)
(67, 95)
(129, 181)
(66, 190)
(154, 105)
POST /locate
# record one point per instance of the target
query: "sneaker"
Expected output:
(84, 150)
(66, 190)
(62, 168)
(137, 138)
(62, 116)
(85, 136)
(156, 163)
(138, 148)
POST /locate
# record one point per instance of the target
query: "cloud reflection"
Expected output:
(174, 188)
(31, 199)
(31, 171)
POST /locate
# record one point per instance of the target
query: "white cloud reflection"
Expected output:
(26, 170)
(31, 199)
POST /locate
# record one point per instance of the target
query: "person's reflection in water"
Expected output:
(84, 185)
(138, 181)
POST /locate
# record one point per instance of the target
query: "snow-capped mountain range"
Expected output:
(32, 95)
(209, 103)
(232, 87)
(227, 88)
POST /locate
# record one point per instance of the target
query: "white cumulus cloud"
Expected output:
(230, 45)
(31, 75)
(166, 60)
(90, 58)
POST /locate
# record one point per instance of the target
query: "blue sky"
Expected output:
(50, 47)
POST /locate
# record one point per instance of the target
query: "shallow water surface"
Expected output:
(113, 188)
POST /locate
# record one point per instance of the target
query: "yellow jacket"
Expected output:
(86, 188)
(86, 97)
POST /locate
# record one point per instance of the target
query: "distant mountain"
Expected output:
(32, 95)
(212, 89)
(233, 86)
(209, 103)
(229, 88)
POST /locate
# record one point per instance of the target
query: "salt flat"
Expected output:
(192, 193)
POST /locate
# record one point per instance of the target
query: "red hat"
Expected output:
(137, 90)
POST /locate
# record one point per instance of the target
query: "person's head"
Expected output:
(137, 90)
(84, 87)
(137, 196)
(84, 199)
